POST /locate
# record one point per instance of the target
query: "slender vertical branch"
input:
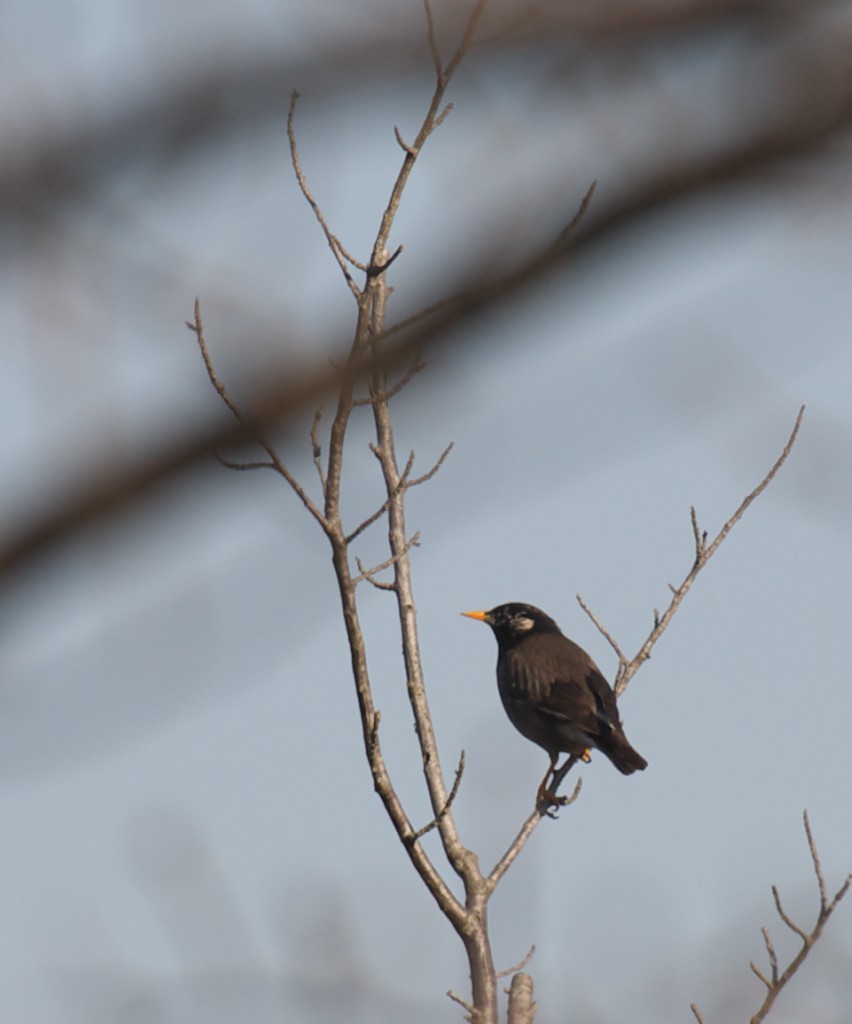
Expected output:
(385, 451)
(434, 116)
(469, 920)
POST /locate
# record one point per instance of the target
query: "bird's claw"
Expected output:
(546, 801)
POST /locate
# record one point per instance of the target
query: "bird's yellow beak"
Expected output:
(482, 616)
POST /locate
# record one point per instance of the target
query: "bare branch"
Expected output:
(243, 466)
(770, 952)
(434, 116)
(433, 41)
(403, 484)
(700, 538)
(779, 979)
(417, 481)
(391, 392)
(370, 720)
(368, 576)
(761, 487)
(466, 40)
(280, 398)
(334, 243)
(823, 891)
(377, 269)
(366, 523)
(604, 633)
(791, 924)
(197, 327)
(703, 554)
(518, 966)
(449, 803)
(696, 1013)
(517, 844)
(394, 559)
(471, 1010)
(445, 113)
(520, 840)
(759, 974)
(403, 144)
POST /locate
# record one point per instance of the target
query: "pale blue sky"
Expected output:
(190, 830)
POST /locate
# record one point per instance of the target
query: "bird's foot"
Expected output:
(548, 802)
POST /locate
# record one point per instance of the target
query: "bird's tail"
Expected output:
(625, 758)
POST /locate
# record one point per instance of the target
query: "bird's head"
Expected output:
(510, 622)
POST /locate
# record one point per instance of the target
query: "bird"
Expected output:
(554, 694)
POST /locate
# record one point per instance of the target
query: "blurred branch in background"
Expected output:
(796, 63)
(790, 70)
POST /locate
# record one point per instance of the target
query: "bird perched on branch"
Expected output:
(554, 694)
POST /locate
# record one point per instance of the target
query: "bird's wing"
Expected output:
(582, 702)
(562, 681)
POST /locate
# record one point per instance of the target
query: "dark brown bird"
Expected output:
(553, 693)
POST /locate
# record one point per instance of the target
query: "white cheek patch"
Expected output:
(522, 624)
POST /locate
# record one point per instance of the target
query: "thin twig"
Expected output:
(367, 575)
(197, 327)
(334, 243)
(243, 466)
(394, 559)
(770, 952)
(761, 487)
(699, 536)
(403, 144)
(518, 966)
(445, 113)
(466, 39)
(471, 1010)
(418, 480)
(395, 389)
(697, 1013)
(433, 41)
(823, 891)
(779, 979)
(447, 805)
(517, 844)
(604, 632)
(403, 481)
(759, 974)
(703, 554)
(403, 484)
(791, 924)
(377, 269)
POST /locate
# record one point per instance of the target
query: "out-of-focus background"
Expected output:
(189, 829)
